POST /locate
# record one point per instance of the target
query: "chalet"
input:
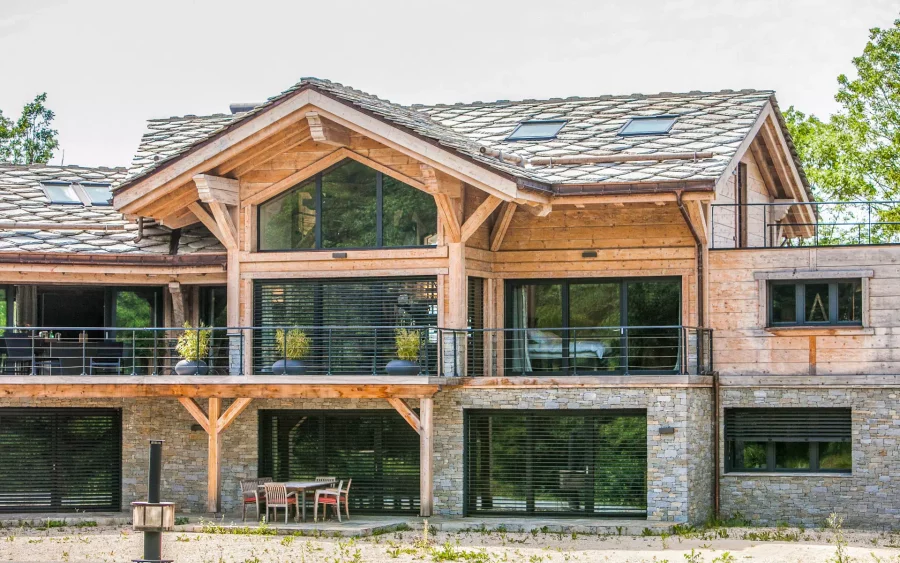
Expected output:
(608, 306)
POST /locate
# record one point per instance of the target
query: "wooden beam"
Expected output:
(407, 413)
(208, 221)
(538, 209)
(478, 217)
(455, 316)
(426, 456)
(232, 412)
(698, 219)
(326, 131)
(177, 303)
(621, 199)
(213, 462)
(181, 218)
(253, 156)
(226, 225)
(449, 218)
(760, 155)
(436, 182)
(213, 189)
(498, 233)
(195, 411)
(271, 152)
(295, 178)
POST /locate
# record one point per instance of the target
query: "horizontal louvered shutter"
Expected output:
(332, 305)
(476, 343)
(788, 424)
(60, 460)
(543, 462)
(377, 449)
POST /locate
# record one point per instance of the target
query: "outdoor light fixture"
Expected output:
(338, 254)
(589, 254)
(666, 429)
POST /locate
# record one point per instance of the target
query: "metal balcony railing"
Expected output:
(786, 224)
(359, 350)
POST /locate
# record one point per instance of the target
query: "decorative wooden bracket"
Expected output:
(449, 218)
(698, 218)
(224, 421)
(407, 413)
(502, 224)
(324, 131)
(208, 221)
(538, 209)
(478, 217)
(217, 189)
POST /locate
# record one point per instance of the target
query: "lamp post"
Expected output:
(153, 517)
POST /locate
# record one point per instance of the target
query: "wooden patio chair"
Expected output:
(327, 497)
(325, 479)
(345, 498)
(278, 497)
(251, 495)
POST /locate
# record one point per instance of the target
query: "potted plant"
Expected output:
(292, 346)
(192, 345)
(408, 344)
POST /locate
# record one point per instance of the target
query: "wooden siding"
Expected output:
(725, 218)
(743, 345)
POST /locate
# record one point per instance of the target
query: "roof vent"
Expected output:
(241, 107)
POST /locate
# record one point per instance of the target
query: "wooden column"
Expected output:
(454, 343)
(213, 465)
(426, 454)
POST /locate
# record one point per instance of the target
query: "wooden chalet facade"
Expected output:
(599, 286)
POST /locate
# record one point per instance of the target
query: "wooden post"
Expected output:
(426, 453)
(213, 461)
(454, 343)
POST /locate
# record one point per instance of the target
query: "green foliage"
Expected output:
(182, 520)
(835, 524)
(262, 530)
(193, 344)
(292, 345)
(853, 155)
(408, 344)
(30, 140)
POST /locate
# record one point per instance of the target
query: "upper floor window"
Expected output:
(348, 206)
(84, 193)
(648, 125)
(815, 302)
(788, 439)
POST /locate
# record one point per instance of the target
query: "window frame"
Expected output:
(513, 137)
(57, 184)
(800, 302)
(316, 179)
(623, 131)
(732, 446)
(94, 203)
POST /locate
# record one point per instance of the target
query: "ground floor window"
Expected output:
(377, 449)
(529, 462)
(60, 460)
(788, 439)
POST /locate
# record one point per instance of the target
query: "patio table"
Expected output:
(300, 487)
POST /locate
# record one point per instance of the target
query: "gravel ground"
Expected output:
(723, 545)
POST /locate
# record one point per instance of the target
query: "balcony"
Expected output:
(790, 224)
(355, 351)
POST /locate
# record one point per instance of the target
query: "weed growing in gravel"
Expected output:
(726, 557)
(835, 523)
(262, 530)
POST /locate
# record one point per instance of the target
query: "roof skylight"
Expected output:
(98, 194)
(650, 125)
(61, 192)
(537, 130)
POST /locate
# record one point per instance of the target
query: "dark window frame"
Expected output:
(623, 132)
(317, 198)
(742, 189)
(732, 446)
(800, 302)
(515, 137)
(566, 283)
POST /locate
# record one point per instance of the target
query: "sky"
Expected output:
(109, 65)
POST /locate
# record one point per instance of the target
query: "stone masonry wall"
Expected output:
(866, 498)
(670, 471)
(700, 455)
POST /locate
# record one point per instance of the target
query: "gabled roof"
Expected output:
(23, 201)
(715, 122)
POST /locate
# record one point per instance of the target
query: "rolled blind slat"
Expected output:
(788, 424)
(526, 462)
(60, 459)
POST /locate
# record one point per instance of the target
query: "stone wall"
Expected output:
(670, 472)
(868, 497)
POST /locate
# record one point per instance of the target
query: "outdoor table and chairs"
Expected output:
(287, 494)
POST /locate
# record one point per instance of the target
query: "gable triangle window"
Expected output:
(347, 206)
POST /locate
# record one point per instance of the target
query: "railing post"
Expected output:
(625, 351)
(155, 370)
(235, 351)
(328, 351)
(375, 354)
(453, 363)
(133, 352)
(84, 352)
(32, 351)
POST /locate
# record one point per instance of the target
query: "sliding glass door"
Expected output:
(579, 327)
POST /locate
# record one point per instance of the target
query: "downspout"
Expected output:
(700, 310)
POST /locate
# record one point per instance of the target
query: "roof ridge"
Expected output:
(637, 95)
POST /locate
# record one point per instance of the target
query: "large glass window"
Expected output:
(815, 302)
(787, 439)
(348, 206)
(590, 326)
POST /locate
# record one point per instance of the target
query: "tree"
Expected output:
(30, 140)
(854, 154)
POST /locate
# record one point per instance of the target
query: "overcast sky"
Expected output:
(108, 65)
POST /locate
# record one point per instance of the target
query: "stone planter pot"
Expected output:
(191, 367)
(288, 367)
(402, 367)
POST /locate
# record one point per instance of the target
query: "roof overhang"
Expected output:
(136, 193)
